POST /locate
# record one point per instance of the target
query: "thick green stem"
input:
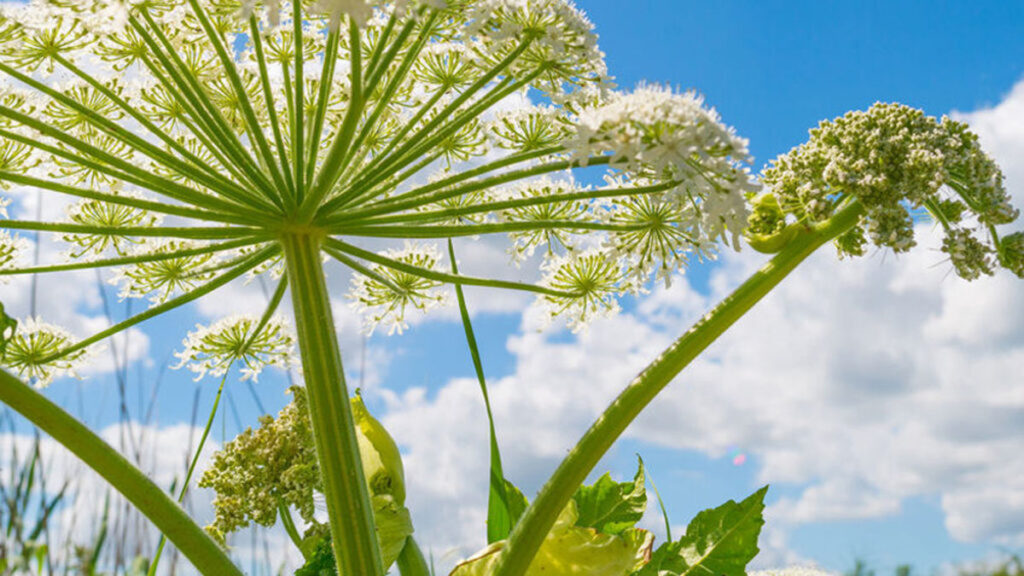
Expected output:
(532, 528)
(348, 500)
(152, 501)
(411, 561)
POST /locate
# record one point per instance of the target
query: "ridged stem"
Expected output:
(536, 522)
(348, 502)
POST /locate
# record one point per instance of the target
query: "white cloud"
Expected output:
(164, 453)
(858, 383)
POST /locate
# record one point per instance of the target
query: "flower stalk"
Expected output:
(538, 519)
(348, 502)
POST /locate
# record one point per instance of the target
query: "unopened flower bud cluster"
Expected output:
(898, 162)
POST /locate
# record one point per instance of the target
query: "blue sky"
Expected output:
(773, 70)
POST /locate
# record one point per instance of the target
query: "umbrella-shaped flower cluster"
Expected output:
(192, 135)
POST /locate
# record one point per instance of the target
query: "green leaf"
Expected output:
(719, 540)
(505, 503)
(612, 507)
(321, 563)
(515, 502)
(572, 550)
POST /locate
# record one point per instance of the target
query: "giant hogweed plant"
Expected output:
(207, 141)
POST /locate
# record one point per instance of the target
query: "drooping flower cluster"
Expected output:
(898, 162)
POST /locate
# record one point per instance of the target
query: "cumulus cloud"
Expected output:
(163, 453)
(72, 300)
(860, 384)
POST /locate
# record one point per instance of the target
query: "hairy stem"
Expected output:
(532, 528)
(348, 500)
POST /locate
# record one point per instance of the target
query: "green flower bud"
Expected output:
(1011, 253)
(767, 231)
(382, 462)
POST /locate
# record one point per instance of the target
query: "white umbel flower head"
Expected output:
(558, 37)
(555, 240)
(214, 349)
(589, 282)
(30, 350)
(528, 129)
(898, 162)
(388, 294)
(358, 10)
(655, 234)
(362, 11)
(656, 133)
(105, 215)
(162, 279)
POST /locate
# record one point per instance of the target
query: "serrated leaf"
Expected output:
(612, 507)
(720, 540)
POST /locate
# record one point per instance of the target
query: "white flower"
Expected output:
(387, 296)
(11, 250)
(896, 161)
(559, 35)
(656, 133)
(532, 128)
(107, 215)
(589, 283)
(162, 279)
(658, 235)
(557, 239)
(359, 10)
(28, 353)
(213, 349)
